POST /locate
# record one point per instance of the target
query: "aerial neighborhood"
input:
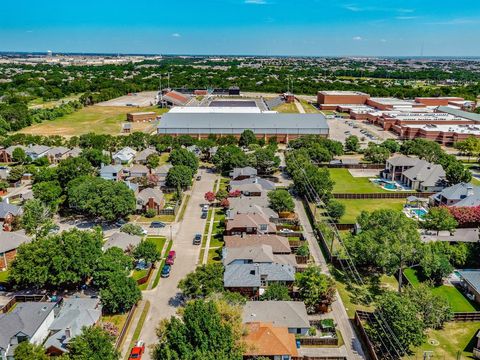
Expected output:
(201, 222)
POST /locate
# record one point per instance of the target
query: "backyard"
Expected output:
(457, 301)
(346, 183)
(456, 338)
(98, 119)
(353, 208)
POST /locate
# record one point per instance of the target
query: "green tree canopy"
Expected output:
(280, 201)
(439, 219)
(277, 292)
(73, 168)
(179, 176)
(247, 138)
(352, 143)
(96, 157)
(315, 288)
(50, 193)
(92, 344)
(229, 157)
(204, 281)
(120, 294)
(147, 250)
(112, 261)
(36, 218)
(184, 157)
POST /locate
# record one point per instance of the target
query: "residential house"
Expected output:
(150, 198)
(161, 173)
(212, 151)
(111, 172)
(194, 149)
(243, 173)
(6, 155)
(250, 204)
(37, 151)
(253, 186)
(257, 254)
(252, 279)
(136, 171)
(279, 244)
(9, 243)
(124, 156)
(461, 195)
(8, 212)
(471, 282)
(396, 165)
(4, 171)
(252, 223)
(141, 157)
(71, 317)
(57, 154)
(267, 340)
(28, 321)
(122, 240)
(289, 314)
(74, 152)
(424, 177)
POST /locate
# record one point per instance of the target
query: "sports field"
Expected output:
(98, 119)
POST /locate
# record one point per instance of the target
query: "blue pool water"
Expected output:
(389, 186)
(420, 212)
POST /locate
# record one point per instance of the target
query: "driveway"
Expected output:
(163, 301)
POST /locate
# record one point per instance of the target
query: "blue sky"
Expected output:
(262, 27)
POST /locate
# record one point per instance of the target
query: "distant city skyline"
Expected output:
(244, 27)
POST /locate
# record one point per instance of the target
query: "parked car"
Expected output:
(171, 257)
(120, 222)
(199, 177)
(157, 224)
(166, 271)
(197, 240)
(137, 351)
(286, 231)
(205, 207)
(204, 215)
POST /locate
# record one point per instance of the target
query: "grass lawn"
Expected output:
(138, 329)
(455, 298)
(163, 160)
(353, 208)
(214, 256)
(118, 320)
(184, 207)
(455, 338)
(224, 183)
(159, 272)
(219, 215)
(138, 274)
(162, 218)
(309, 109)
(287, 108)
(159, 241)
(346, 183)
(4, 276)
(98, 119)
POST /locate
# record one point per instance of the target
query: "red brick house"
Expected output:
(9, 242)
(251, 223)
(150, 198)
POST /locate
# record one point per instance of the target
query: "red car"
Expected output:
(137, 351)
(171, 257)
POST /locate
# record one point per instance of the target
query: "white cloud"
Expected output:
(255, 2)
(457, 21)
(383, 40)
(358, 8)
(357, 38)
(406, 17)
(176, 35)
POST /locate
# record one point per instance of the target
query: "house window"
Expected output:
(263, 227)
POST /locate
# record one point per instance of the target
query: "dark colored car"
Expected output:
(137, 351)
(171, 257)
(204, 214)
(197, 240)
(199, 177)
(166, 271)
(157, 224)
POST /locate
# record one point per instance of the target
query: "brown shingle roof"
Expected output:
(279, 244)
(264, 339)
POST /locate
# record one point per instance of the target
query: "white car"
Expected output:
(286, 231)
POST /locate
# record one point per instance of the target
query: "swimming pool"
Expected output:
(420, 212)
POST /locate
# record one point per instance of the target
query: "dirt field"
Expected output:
(98, 119)
(146, 98)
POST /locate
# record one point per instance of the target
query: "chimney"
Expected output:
(469, 190)
(68, 333)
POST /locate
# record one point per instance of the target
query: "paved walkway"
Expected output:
(353, 346)
(125, 348)
(210, 226)
(299, 106)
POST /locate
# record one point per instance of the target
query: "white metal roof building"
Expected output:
(283, 126)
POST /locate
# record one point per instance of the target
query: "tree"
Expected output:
(470, 147)
(147, 250)
(184, 157)
(264, 160)
(277, 292)
(204, 281)
(221, 194)
(73, 168)
(120, 294)
(439, 219)
(229, 157)
(132, 229)
(19, 155)
(65, 260)
(50, 193)
(92, 344)
(438, 258)
(179, 177)
(96, 157)
(28, 351)
(153, 161)
(335, 209)
(280, 201)
(201, 333)
(112, 261)
(376, 154)
(389, 241)
(352, 143)
(36, 219)
(456, 173)
(210, 196)
(99, 198)
(315, 288)
(401, 314)
(391, 145)
(303, 250)
(16, 174)
(319, 153)
(247, 138)
(225, 203)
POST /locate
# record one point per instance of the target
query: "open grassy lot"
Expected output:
(457, 301)
(353, 208)
(39, 103)
(309, 109)
(287, 108)
(98, 119)
(456, 338)
(346, 183)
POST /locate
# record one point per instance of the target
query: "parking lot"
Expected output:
(340, 129)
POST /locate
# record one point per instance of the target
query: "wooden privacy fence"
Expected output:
(361, 316)
(305, 357)
(21, 298)
(125, 327)
(389, 195)
(354, 166)
(466, 316)
(301, 259)
(144, 279)
(314, 341)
